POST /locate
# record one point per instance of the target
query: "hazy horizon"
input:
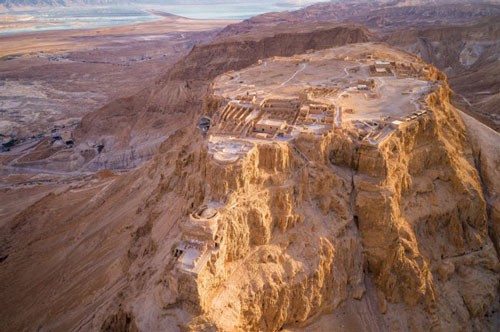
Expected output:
(110, 13)
(15, 4)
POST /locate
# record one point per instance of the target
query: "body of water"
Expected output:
(71, 18)
(98, 17)
(225, 10)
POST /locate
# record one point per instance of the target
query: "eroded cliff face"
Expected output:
(422, 218)
(303, 225)
(285, 254)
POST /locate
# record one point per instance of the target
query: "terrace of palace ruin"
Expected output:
(317, 93)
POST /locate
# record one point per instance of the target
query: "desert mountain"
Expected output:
(304, 177)
(381, 17)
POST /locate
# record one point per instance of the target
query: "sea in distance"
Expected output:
(98, 17)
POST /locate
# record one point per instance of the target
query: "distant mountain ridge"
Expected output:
(58, 3)
(13, 4)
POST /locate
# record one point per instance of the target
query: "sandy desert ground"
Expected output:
(55, 77)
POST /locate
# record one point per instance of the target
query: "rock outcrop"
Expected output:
(303, 225)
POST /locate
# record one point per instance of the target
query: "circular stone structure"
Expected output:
(204, 212)
(227, 150)
(202, 224)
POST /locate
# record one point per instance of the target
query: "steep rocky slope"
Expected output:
(429, 204)
(487, 157)
(304, 229)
